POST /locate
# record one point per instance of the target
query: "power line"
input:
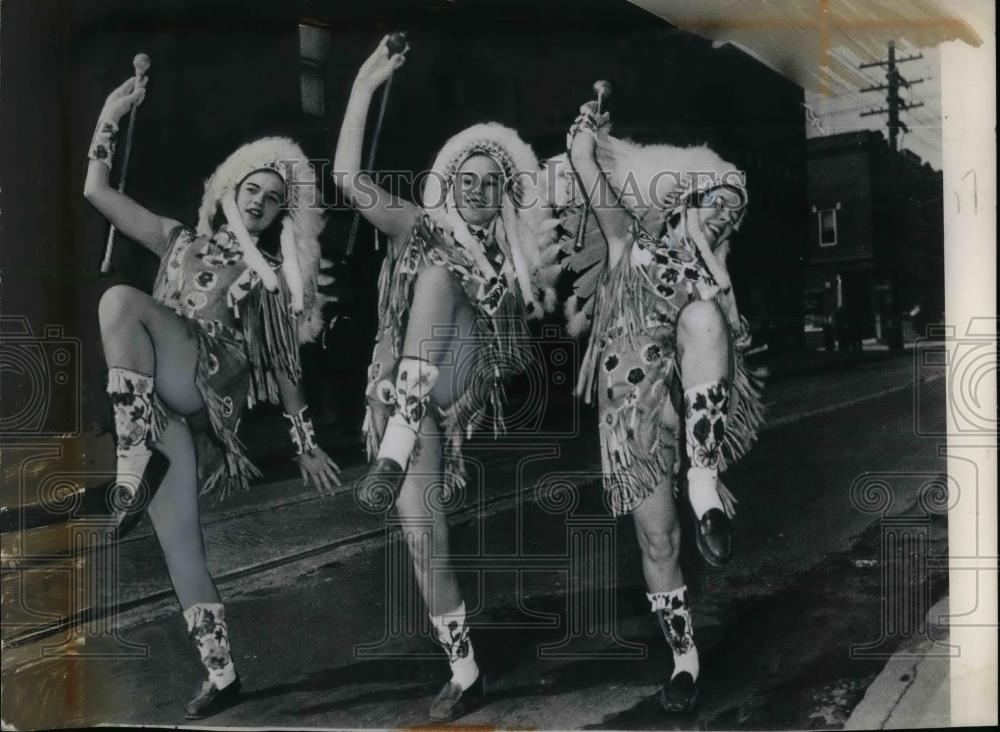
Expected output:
(894, 103)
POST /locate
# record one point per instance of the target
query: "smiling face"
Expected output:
(479, 189)
(259, 199)
(720, 211)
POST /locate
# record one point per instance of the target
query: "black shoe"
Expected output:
(453, 703)
(130, 509)
(209, 700)
(378, 490)
(715, 537)
(678, 696)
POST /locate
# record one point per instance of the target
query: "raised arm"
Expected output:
(130, 218)
(390, 214)
(611, 217)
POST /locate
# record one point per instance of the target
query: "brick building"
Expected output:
(876, 238)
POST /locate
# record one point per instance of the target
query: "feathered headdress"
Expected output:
(526, 230)
(304, 220)
(654, 182)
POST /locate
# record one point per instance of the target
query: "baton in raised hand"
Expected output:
(141, 65)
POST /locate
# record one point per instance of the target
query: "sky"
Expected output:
(820, 44)
(842, 113)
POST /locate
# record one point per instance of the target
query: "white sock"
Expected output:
(703, 491)
(131, 395)
(223, 677)
(130, 467)
(687, 662)
(453, 635)
(207, 626)
(397, 442)
(674, 616)
(465, 671)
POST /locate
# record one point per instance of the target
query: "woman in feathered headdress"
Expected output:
(461, 273)
(649, 245)
(231, 304)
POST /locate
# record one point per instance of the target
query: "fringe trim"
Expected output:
(271, 338)
(501, 355)
(455, 428)
(620, 309)
(746, 404)
(236, 470)
(728, 499)
(629, 477)
(619, 305)
(114, 381)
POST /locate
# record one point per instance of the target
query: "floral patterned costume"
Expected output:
(500, 346)
(245, 335)
(631, 363)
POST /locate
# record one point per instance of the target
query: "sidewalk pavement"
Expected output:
(913, 690)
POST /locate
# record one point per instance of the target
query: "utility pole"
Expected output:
(890, 306)
(894, 105)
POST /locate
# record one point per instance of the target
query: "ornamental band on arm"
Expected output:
(301, 431)
(102, 147)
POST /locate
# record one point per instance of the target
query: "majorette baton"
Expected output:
(141, 64)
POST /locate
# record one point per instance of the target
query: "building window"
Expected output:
(313, 48)
(827, 227)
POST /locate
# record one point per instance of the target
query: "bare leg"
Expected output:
(176, 520)
(704, 355)
(440, 322)
(439, 588)
(429, 332)
(438, 585)
(659, 532)
(431, 324)
(143, 335)
(149, 351)
(702, 344)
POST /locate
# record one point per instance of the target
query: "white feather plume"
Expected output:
(305, 217)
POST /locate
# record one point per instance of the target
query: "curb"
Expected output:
(913, 690)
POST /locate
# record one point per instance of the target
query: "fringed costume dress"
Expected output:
(499, 346)
(631, 363)
(246, 336)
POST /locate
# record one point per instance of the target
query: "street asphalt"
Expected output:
(791, 632)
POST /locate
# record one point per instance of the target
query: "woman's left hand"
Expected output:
(705, 240)
(319, 469)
